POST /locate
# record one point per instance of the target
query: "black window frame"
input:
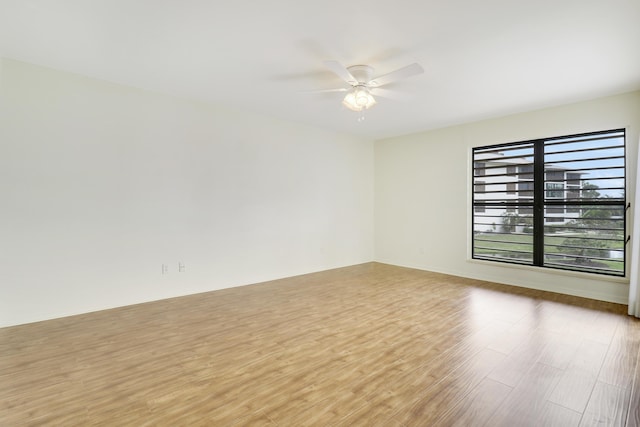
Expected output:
(541, 203)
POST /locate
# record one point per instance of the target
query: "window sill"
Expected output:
(555, 271)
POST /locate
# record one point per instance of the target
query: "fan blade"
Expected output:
(401, 73)
(386, 93)
(325, 90)
(341, 71)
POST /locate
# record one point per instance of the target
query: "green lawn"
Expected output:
(524, 242)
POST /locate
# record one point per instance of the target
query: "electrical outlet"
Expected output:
(181, 267)
(165, 269)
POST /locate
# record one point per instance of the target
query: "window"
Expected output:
(479, 187)
(555, 210)
(556, 202)
(554, 219)
(555, 190)
(525, 188)
(525, 172)
(573, 179)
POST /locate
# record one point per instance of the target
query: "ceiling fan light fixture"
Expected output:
(359, 99)
(360, 78)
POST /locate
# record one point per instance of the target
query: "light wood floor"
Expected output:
(370, 345)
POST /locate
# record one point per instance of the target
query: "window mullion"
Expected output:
(538, 203)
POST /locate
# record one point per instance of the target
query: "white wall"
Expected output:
(100, 184)
(422, 193)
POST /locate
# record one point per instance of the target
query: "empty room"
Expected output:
(319, 213)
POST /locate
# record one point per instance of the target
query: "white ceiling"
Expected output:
(482, 58)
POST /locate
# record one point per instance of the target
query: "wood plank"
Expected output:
(633, 414)
(574, 389)
(620, 363)
(608, 406)
(553, 415)
(590, 356)
(523, 358)
(374, 413)
(560, 351)
(258, 419)
(365, 345)
(477, 407)
(578, 380)
(528, 401)
(444, 396)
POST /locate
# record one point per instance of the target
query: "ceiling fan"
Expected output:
(363, 86)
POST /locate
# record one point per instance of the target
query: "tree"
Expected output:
(584, 248)
(600, 218)
(510, 220)
(589, 191)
